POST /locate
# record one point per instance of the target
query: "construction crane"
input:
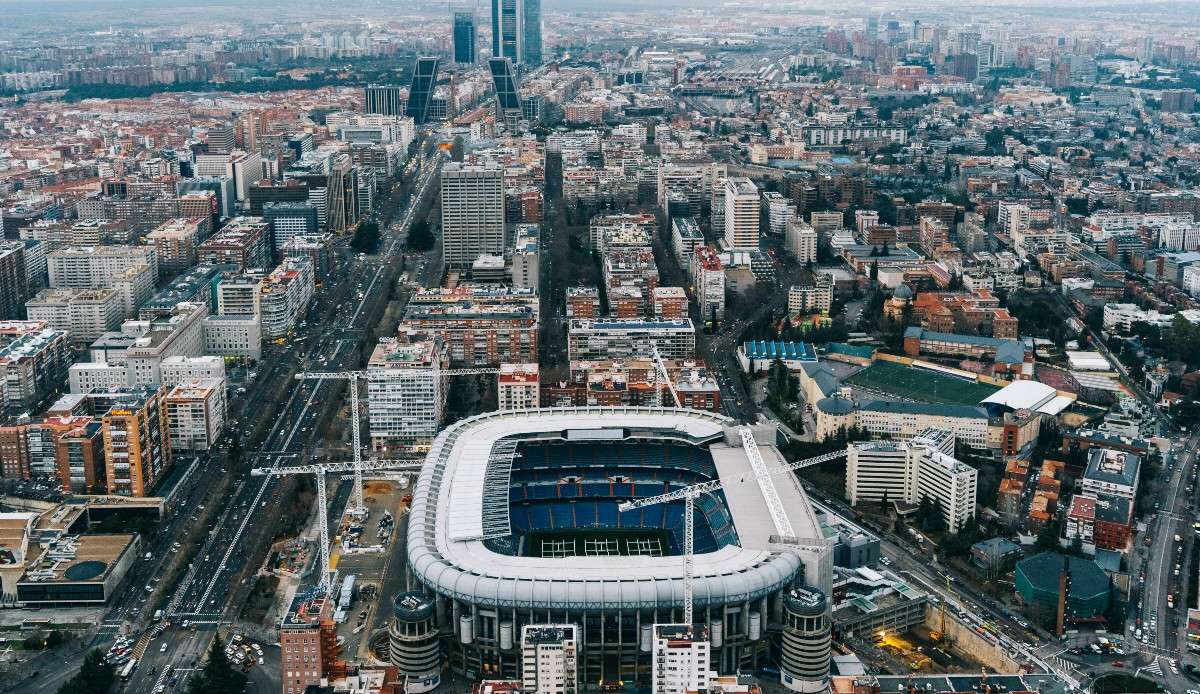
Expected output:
(660, 371)
(319, 470)
(357, 507)
(785, 536)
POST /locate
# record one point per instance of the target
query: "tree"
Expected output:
(420, 238)
(1047, 537)
(95, 676)
(366, 238)
(218, 675)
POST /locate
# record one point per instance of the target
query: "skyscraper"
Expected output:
(517, 31)
(508, 96)
(472, 213)
(464, 36)
(383, 99)
(421, 93)
(532, 46)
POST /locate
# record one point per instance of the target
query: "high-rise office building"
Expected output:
(517, 31)
(464, 36)
(287, 220)
(420, 95)
(508, 96)
(472, 213)
(532, 46)
(741, 214)
(383, 99)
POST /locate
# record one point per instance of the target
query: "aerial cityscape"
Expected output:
(566, 346)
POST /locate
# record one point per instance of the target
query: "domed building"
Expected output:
(901, 299)
(834, 415)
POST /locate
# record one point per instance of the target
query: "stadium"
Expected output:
(514, 521)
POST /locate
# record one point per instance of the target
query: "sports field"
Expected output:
(919, 385)
(622, 542)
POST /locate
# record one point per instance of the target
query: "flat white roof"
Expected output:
(1021, 395)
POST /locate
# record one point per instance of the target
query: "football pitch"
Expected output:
(919, 385)
(622, 542)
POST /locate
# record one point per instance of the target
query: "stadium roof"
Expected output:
(1029, 395)
(446, 549)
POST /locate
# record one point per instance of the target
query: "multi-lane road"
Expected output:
(220, 574)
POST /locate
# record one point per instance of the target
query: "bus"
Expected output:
(127, 671)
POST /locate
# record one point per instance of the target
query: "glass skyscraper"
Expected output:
(464, 37)
(517, 31)
(421, 93)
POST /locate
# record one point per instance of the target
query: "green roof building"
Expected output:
(1089, 588)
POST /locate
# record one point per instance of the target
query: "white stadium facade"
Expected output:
(514, 521)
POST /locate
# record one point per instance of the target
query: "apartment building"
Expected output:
(685, 238)
(240, 295)
(801, 240)
(32, 366)
(308, 642)
(95, 267)
(814, 296)
(741, 214)
(548, 658)
(233, 336)
(84, 314)
(525, 257)
(611, 338)
(175, 242)
(285, 295)
(406, 392)
(908, 471)
(680, 660)
(14, 279)
(517, 386)
(708, 282)
(181, 369)
(243, 242)
(481, 325)
(195, 414)
(136, 449)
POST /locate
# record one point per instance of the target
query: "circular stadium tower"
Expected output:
(413, 641)
(515, 521)
(804, 663)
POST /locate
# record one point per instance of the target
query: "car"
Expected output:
(260, 660)
(163, 648)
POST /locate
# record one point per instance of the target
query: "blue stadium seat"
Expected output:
(561, 515)
(585, 514)
(539, 517)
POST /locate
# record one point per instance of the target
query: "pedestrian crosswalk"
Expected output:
(1153, 668)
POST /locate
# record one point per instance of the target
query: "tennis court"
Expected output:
(919, 385)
